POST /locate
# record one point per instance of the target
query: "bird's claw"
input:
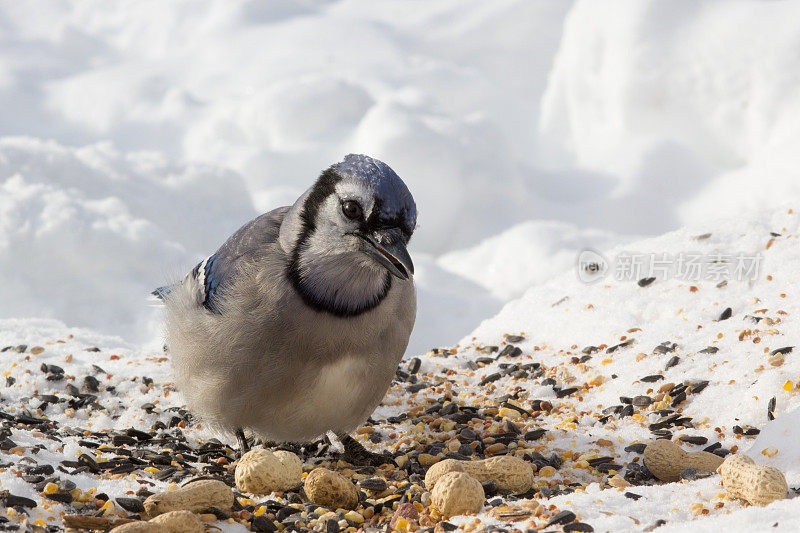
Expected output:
(244, 447)
(354, 452)
(357, 455)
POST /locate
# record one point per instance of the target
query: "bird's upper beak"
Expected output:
(389, 248)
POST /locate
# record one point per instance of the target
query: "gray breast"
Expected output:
(270, 363)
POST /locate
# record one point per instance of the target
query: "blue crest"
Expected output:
(396, 202)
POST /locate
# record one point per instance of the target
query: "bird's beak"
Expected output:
(389, 249)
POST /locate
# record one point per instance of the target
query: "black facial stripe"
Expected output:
(374, 216)
(324, 187)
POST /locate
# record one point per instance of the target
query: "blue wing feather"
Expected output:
(218, 269)
(206, 273)
(161, 292)
(211, 282)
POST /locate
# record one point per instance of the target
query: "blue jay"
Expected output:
(295, 326)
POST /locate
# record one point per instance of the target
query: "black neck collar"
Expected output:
(341, 309)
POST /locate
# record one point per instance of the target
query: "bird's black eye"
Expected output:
(351, 209)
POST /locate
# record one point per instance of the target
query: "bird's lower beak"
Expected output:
(389, 249)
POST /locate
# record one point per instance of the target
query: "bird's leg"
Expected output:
(357, 455)
(243, 446)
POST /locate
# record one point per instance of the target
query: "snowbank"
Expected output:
(446, 92)
(738, 331)
(87, 233)
(525, 255)
(672, 104)
(601, 121)
(781, 435)
(633, 119)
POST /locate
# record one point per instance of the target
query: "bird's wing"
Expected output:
(213, 272)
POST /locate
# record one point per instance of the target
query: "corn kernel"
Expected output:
(505, 412)
(448, 425)
(617, 481)
(426, 459)
(769, 452)
(401, 524)
(547, 471)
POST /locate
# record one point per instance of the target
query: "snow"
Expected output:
(557, 319)
(86, 234)
(525, 255)
(135, 137)
(782, 434)
(675, 108)
(279, 92)
(579, 125)
(565, 313)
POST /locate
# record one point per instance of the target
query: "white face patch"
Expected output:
(330, 234)
(348, 190)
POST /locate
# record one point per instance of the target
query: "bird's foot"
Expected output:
(354, 452)
(357, 455)
(244, 447)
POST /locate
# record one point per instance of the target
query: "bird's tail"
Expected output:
(157, 296)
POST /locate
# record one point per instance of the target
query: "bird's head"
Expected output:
(352, 225)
